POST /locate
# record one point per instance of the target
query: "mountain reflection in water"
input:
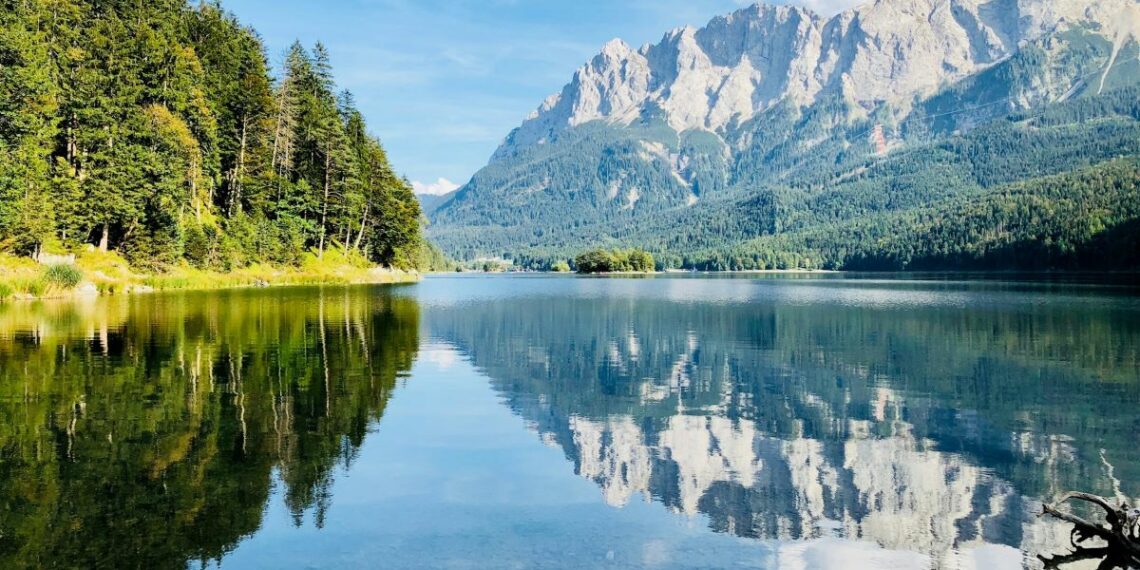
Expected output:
(806, 422)
(929, 418)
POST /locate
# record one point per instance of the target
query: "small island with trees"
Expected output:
(615, 261)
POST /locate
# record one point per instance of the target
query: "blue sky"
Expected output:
(443, 81)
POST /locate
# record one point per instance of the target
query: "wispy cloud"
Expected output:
(437, 188)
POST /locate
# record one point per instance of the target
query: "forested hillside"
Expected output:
(760, 141)
(1084, 220)
(1040, 190)
(157, 129)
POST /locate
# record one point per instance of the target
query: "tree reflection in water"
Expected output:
(145, 432)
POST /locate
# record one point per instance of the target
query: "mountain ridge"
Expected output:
(776, 97)
(618, 83)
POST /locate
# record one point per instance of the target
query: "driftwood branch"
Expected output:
(1080, 555)
(1120, 533)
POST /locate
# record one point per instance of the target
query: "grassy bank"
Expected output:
(103, 273)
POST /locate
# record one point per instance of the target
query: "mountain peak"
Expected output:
(762, 9)
(745, 62)
(616, 49)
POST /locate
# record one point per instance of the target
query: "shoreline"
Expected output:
(941, 274)
(750, 271)
(107, 274)
(230, 282)
(695, 272)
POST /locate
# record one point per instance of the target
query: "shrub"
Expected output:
(561, 267)
(5, 291)
(62, 276)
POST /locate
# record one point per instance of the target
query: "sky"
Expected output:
(442, 82)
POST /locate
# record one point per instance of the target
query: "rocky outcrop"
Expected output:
(889, 51)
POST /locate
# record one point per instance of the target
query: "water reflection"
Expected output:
(808, 423)
(926, 419)
(149, 431)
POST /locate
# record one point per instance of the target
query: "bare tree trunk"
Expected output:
(276, 144)
(197, 200)
(282, 130)
(278, 129)
(240, 398)
(325, 355)
(105, 240)
(325, 202)
(72, 145)
(360, 234)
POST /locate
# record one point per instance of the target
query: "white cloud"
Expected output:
(442, 356)
(437, 188)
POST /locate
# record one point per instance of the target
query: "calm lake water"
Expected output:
(518, 422)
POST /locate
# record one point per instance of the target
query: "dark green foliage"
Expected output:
(156, 129)
(596, 261)
(618, 260)
(275, 397)
(63, 276)
(27, 101)
(1084, 220)
(432, 259)
(207, 247)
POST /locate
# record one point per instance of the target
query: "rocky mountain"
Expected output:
(716, 136)
(743, 64)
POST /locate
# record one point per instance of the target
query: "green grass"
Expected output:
(111, 274)
(20, 276)
(30, 287)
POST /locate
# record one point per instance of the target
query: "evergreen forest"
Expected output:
(162, 131)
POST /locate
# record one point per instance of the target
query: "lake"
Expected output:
(818, 421)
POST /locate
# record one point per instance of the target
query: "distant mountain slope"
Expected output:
(429, 203)
(773, 120)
